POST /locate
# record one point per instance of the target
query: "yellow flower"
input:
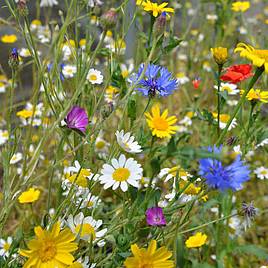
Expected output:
(259, 57)
(154, 7)
(81, 179)
(161, 125)
(25, 113)
(256, 94)
(220, 54)
(12, 38)
(29, 196)
(196, 240)
(150, 257)
(50, 248)
(76, 265)
(191, 189)
(240, 6)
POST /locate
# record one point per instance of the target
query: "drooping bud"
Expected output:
(13, 60)
(106, 110)
(160, 25)
(249, 212)
(22, 8)
(108, 19)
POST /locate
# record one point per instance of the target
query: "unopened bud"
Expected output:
(160, 24)
(13, 60)
(220, 54)
(106, 110)
(108, 19)
(22, 8)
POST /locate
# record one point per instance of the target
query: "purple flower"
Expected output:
(155, 216)
(77, 119)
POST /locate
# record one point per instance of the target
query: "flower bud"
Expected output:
(108, 19)
(13, 60)
(160, 24)
(22, 8)
(106, 110)
(220, 54)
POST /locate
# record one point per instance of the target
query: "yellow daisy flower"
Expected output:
(50, 248)
(256, 94)
(196, 240)
(161, 125)
(240, 6)
(259, 57)
(9, 39)
(154, 7)
(29, 196)
(220, 54)
(150, 257)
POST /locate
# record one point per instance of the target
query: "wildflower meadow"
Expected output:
(133, 133)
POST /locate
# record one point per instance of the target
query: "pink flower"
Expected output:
(155, 216)
(77, 119)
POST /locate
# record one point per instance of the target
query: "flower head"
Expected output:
(240, 6)
(230, 88)
(94, 77)
(237, 73)
(256, 94)
(127, 142)
(151, 257)
(121, 173)
(5, 246)
(161, 125)
(222, 176)
(9, 39)
(154, 7)
(261, 173)
(196, 240)
(29, 196)
(157, 81)
(77, 119)
(259, 57)
(155, 216)
(50, 248)
(249, 212)
(220, 54)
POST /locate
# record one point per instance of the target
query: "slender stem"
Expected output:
(254, 79)
(219, 97)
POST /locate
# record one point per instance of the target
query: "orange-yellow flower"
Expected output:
(154, 7)
(29, 196)
(240, 6)
(256, 94)
(9, 39)
(161, 125)
(196, 240)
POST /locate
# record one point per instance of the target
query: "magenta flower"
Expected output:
(77, 119)
(155, 216)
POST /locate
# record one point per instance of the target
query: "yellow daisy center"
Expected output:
(93, 77)
(224, 118)
(100, 144)
(89, 204)
(85, 229)
(6, 246)
(263, 172)
(228, 89)
(160, 123)
(121, 174)
(47, 251)
(81, 179)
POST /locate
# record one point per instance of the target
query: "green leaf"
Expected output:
(173, 42)
(257, 251)
(132, 109)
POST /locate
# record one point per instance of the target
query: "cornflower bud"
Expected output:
(160, 24)
(220, 55)
(108, 19)
(13, 60)
(22, 8)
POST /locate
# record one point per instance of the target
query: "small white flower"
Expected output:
(229, 87)
(211, 17)
(86, 228)
(261, 173)
(5, 246)
(3, 136)
(85, 262)
(25, 52)
(182, 78)
(232, 102)
(16, 158)
(48, 3)
(172, 173)
(89, 201)
(224, 118)
(94, 77)
(69, 71)
(121, 173)
(262, 143)
(127, 142)
(92, 3)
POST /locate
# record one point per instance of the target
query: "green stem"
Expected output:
(254, 79)
(219, 97)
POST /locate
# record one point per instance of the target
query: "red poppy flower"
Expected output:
(196, 83)
(237, 73)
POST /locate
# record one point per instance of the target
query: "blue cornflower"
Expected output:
(157, 80)
(222, 176)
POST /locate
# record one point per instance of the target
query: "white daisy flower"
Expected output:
(224, 118)
(93, 3)
(24, 52)
(121, 173)
(16, 158)
(127, 142)
(182, 78)
(171, 173)
(78, 177)
(3, 136)
(5, 246)
(94, 77)
(2, 87)
(48, 3)
(262, 143)
(69, 71)
(127, 69)
(261, 173)
(89, 201)
(229, 87)
(86, 228)
(84, 263)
